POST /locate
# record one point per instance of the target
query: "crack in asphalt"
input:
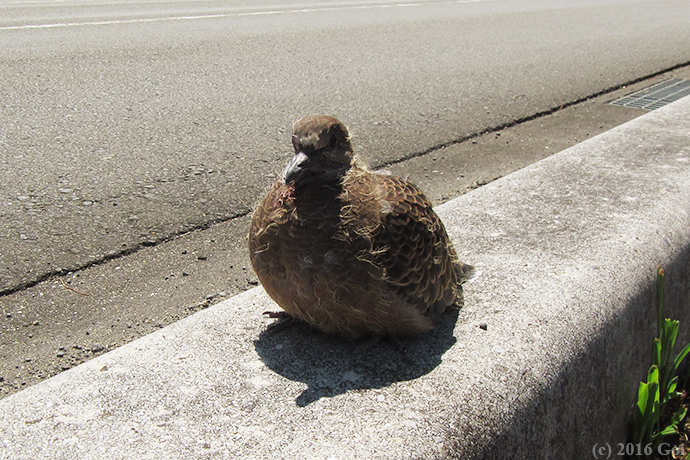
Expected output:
(528, 118)
(122, 253)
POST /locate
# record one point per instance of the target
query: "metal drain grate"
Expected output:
(657, 95)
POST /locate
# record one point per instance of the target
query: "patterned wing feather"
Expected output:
(413, 248)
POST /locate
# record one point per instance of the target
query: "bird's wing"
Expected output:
(412, 247)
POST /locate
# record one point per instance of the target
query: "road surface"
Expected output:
(125, 126)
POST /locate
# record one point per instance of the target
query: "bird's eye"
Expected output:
(334, 142)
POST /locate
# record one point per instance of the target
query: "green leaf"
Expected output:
(642, 398)
(670, 332)
(672, 427)
(660, 281)
(653, 374)
(681, 356)
(656, 356)
(671, 388)
(680, 414)
(650, 417)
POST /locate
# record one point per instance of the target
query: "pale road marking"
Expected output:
(228, 15)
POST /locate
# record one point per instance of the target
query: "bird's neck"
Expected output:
(317, 190)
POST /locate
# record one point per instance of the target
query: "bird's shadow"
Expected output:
(331, 366)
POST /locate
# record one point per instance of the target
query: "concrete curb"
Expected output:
(568, 249)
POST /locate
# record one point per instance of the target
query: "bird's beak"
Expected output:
(295, 168)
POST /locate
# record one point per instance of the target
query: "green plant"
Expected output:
(654, 395)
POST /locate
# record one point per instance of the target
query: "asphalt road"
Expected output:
(127, 128)
(126, 123)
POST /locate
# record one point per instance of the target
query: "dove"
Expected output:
(348, 251)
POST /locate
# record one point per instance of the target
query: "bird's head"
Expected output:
(322, 150)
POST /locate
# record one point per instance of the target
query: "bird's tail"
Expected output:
(466, 273)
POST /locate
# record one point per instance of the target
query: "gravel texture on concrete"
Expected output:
(567, 248)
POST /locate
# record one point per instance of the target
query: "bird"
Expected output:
(352, 252)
